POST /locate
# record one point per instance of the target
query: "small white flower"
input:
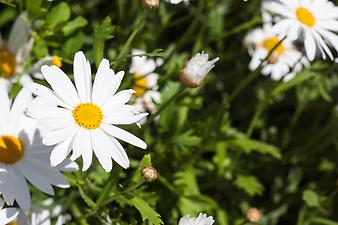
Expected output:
(284, 63)
(175, 2)
(35, 69)
(317, 21)
(202, 219)
(7, 215)
(22, 154)
(196, 69)
(145, 82)
(83, 119)
(14, 52)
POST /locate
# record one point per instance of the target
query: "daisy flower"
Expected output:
(22, 154)
(197, 69)
(316, 19)
(42, 215)
(83, 118)
(261, 41)
(202, 219)
(145, 82)
(7, 215)
(15, 51)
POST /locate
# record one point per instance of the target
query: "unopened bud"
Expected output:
(196, 70)
(151, 4)
(149, 174)
(253, 215)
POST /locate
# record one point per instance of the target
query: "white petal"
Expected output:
(102, 145)
(57, 136)
(310, 45)
(124, 135)
(61, 151)
(82, 77)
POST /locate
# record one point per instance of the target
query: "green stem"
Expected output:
(165, 104)
(255, 118)
(254, 74)
(77, 214)
(112, 181)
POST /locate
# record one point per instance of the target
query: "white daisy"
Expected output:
(196, 69)
(202, 219)
(7, 215)
(42, 215)
(22, 154)
(145, 82)
(316, 19)
(284, 63)
(15, 51)
(84, 119)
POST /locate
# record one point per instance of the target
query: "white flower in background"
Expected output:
(145, 82)
(175, 2)
(196, 69)
(14, 52)
(284, 63)
(7, 215)
(22, 154)
(83, 119)
(35, 69)
(202, 219)
(42, 215)
(316, 19)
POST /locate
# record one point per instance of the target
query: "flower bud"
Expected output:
(253, 215)
(151, 4)
(149, 174)
(196, 70)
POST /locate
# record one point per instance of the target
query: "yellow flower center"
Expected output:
(11, 149)
(12, 223)
(305, 17)
(56, 61)
(270, 43)
(7, 64)
(139, 84)
(88, 115)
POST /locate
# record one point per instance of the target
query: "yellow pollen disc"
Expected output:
(56, 61)
(11, 149)
(305, 17)
(7, 64)
(269, 43)
(140, 85)
(88, 115)
(12, 223)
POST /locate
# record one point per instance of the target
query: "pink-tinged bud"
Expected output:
(253, 215)
(149, 174)
(196, 70)
(151, 4)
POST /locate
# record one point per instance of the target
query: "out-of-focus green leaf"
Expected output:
(146, 211)
(102, 32)
(249, 184)
(249, 145)
(8, 2)
(58, 14)
(311, 198)
(33, 8)
(73, 25)
(73, 45)
(7, 15)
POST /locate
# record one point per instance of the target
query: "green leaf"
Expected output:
(33, 8)
(58, 14)
(146, 211)
(102, 32)
(249, 184)
(8, 2)
(73, 44)
(311, 198)
(318, 221)
(249, 145)
(73, 25)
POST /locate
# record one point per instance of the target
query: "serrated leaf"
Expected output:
(146, 211)
(102, 32)
(73, 25)
(249, 145)
(249, 184)
(58, 14)
(311, 198)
